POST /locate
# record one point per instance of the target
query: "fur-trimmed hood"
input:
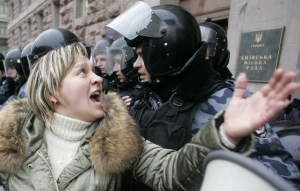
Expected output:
(114, 147)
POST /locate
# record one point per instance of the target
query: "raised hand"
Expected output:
(244, 115)
(127, 101)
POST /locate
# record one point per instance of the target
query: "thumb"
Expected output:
(240, 86)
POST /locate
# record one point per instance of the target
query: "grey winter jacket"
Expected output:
(111, 146)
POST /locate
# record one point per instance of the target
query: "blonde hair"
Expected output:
(46, 77)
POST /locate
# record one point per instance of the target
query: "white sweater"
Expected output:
(63, 141)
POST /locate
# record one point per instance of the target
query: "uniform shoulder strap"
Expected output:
(218, 85)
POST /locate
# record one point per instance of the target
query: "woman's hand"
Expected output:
(244, 115)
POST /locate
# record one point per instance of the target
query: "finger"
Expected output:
(276, 77)
(125, 97)
(272, 82)
(286, 79)
(240, 86)
(288, 89)
(266, 89)
(278, 81)
(276, 107)
(280, 97)
(285, 86)
(127, 100)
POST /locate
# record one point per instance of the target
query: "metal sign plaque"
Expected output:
(259, 54)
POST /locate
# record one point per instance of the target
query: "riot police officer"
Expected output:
(14, 75)
(26, 65)
(119, 63)
(99, 60)
(170, 49)
(217, 51)
(99, 53)
(170, 45)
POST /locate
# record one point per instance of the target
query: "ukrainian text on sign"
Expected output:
(259, 53)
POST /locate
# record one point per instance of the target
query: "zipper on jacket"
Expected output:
(41, 155)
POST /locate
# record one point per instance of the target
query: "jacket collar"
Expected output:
(196, 85)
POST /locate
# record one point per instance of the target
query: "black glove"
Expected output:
(10, 84)
(106, 86)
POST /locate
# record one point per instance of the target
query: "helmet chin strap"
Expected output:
(160, 82)
(164, 86)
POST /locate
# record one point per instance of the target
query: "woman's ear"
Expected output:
(53, 99)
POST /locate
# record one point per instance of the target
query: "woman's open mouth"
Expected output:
(95, 97)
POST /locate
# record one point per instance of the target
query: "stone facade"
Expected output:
(28, 18)
(91, 27)
(3, 31)
(212, 10)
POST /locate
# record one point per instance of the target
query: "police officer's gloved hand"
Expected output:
(106, 86)
(133, 99)
(10, 84)
(98, 71)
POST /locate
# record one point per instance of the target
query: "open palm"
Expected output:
(244, 115)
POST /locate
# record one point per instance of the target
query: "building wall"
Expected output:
(3, 27)
(24, 16)
(236, 16)
(213, 10)
(24, 23)
(253, 15)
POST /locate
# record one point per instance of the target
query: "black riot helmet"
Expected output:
(13, 60)
(27, 59)
(169, 34)
(102, 45)
(216, 39)
(123, 55)
(52, 39)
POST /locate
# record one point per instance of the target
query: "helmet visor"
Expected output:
(210, 36)
(134, 19)
(27, 64)
(115, 59)
(10, 65)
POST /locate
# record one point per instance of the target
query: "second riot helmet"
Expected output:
(52, 39)
(216, 39)
(102, 45)
(123, 55)
(12, 60)
(27, 59)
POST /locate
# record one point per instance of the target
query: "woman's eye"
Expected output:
(81, 71)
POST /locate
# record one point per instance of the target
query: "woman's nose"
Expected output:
(96, 79)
